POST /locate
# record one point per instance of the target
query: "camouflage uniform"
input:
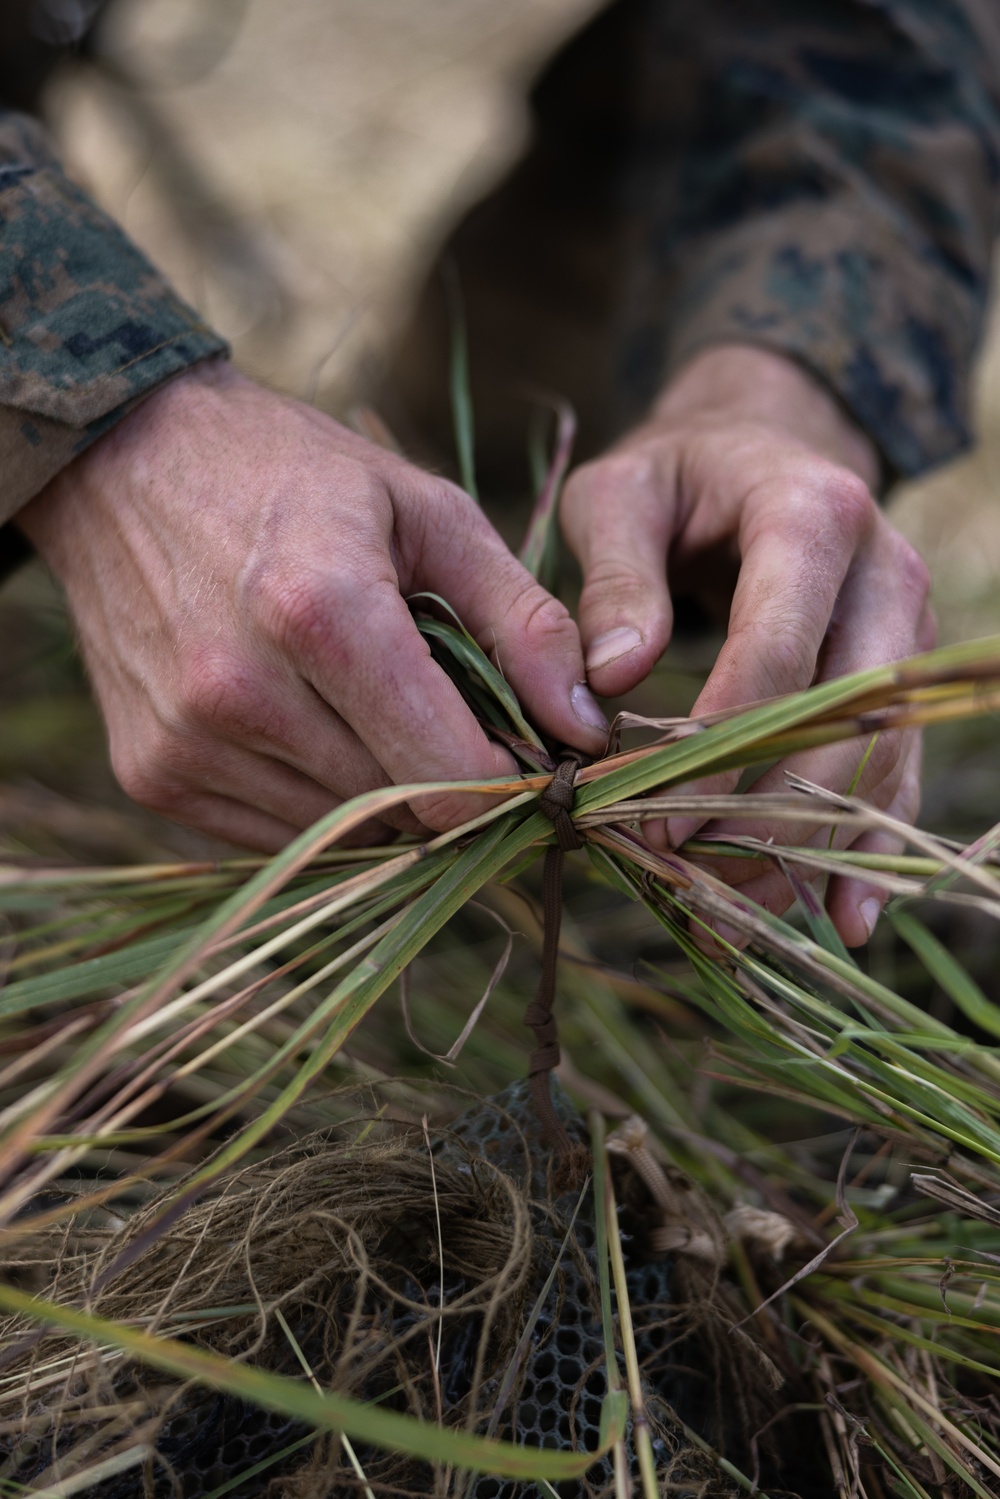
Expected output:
(837, 199)
(87, 325)
(821, 177)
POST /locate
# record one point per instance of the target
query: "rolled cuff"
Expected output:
(88, 326)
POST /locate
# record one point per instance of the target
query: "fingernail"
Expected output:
(587, 708)
(869, 911)
(611, 646)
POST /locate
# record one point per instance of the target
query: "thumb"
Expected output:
(617, 522)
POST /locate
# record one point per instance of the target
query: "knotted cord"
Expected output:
(556, 801)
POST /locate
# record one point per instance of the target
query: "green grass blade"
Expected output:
(355, 995)
(949, 973)
(538, 548)
(367, 1422)
(751, 736)
(458, 384)
(469, 655)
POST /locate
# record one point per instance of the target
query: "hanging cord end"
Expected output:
(556, 801)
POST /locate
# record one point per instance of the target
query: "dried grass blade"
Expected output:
(355, 995)
(955, 1197)
(616, 1397)
(848, 1220)
(640, 1426)
(882, 1374)
(120, 1462)
(536, 549)
(95, 1052)
(451, 1056)
(758, 732)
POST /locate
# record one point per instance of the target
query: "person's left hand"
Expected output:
(238, 566)
(749, 479)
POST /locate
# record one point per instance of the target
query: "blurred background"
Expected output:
(293, 169)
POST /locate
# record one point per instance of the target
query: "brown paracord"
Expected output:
(556, 802)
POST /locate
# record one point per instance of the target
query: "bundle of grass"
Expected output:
(190, 1203)
(202, 1018)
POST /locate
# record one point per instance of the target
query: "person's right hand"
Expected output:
(748, 478)
(237, 565)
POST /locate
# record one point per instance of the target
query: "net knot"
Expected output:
(556, 801)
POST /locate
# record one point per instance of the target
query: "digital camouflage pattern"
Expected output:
(87, 325)
(821, 177)
(834, 193)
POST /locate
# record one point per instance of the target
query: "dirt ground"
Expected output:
(292, 167)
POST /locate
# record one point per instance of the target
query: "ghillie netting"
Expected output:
(458, 1282)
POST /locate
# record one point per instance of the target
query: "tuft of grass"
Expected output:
(164, 1024)
(161, 1025)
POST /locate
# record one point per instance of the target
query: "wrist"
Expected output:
(170, 406)
(175, 404)
(732, 383)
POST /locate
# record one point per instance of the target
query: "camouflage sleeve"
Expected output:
(87, 326)
(834, 195)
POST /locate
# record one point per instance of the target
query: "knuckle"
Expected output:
(544, 618)
(164, 767)
(300, 614)
(615, 472)
(216, 692)
(523, 610)
(145, 778)
(611, 577)
(442, 493)
(789, 659)
(590, 486)
(625, 469)
(848, 501)
(432, 513)
(224, 696)
(782, 651)
(368, 501)
(168, 797)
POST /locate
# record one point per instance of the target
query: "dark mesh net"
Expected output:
(343, 1239)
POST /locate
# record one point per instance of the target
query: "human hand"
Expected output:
(748, 478)
(237, 565)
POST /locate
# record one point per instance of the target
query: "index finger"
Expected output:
(357, 644)
(798, 534)
(797, 543)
